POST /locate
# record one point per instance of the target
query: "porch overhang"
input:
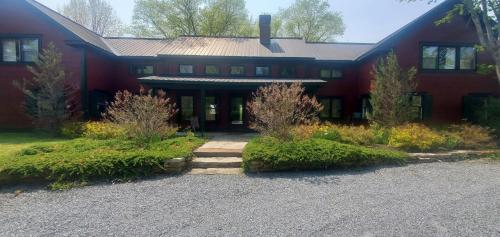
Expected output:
(173, 82)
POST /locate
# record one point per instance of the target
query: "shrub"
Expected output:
(104, 130)
(307, 131)
(49, 97)
(276, 108)
(87, 159)
(73, 129)
(391, 98)
(472, 136)
(416, 137)
(489, 116)
(358, 135)
(315, 153)
(144, 116)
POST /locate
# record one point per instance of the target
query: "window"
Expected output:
(187, 107)
(332, 108)
(211, 70)
(19, 50)
(142, 70)
(467, 58)
(210, 108)
(237, 70)
(446, 58)
(417, 104)
(288, 71)
(326, 73)
(186, 69)
(262, 71)
(366, 107)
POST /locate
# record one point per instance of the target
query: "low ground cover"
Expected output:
(316, 153)
(35, 156)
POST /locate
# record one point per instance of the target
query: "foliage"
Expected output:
(49, 97)
(309, 19)
(87, 159)
(276, 108)
(172, 18)
(315, 153)
(356, 135)
(469, 136)
(96, 15)
(416, 137)
(489, 114)
(144, 116)
(104, 130)
(485, 15)
(391, 96)
(72, 129)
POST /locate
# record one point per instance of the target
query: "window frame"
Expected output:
(18, 38)
(238, 75)
(457, 47)
(292, 67)
(331, 99)
(211, 65)
(133, 71)
(183, 73)
(268, 75)
(181, 110)
(330, 70)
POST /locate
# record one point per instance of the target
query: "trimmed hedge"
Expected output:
(84, 159)
(314, 153)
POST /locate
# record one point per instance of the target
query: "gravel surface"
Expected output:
(439, 199)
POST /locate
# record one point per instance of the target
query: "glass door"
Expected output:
(237, 110)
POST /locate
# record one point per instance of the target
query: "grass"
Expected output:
(35, 156)
(316, 153)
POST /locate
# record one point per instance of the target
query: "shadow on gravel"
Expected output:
(317, 177)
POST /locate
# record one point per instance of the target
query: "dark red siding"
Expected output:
(446, 88)
(19, 18)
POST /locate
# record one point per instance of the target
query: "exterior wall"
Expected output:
(446, 88)
(18, 18)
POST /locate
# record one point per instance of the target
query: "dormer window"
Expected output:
(329, 73)
(211, 70)
(262, 71)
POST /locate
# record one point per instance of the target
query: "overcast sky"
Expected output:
(365, 20)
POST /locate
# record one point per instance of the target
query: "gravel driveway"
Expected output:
(440, 199)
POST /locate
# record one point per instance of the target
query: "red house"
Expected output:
(211, 78)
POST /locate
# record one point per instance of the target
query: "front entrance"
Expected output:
(237, 111)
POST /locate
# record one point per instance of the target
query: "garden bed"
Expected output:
(271, 154)
(87, 159)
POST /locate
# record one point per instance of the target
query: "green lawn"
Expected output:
(31, 155)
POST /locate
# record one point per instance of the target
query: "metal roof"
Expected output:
(251, 47)
(137, 47)
(222, 81)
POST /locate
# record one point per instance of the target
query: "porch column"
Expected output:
(202, 111)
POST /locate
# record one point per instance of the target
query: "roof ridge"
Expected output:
(137, 38)
(360, 43)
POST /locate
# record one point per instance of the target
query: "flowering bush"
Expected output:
(416, 137)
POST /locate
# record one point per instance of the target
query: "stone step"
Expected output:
(211, 152)
(215, 171)
(217, 162)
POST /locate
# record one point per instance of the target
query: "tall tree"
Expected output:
(391, 95)
(96, 15)
(485, 15)
(310, 19)
(171, 18)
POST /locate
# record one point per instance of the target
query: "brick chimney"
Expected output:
(265, 29)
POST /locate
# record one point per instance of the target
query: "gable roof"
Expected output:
(233, 46)
(388, 41)
(80, 31)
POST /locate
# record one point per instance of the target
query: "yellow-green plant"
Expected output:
(103, 130)
(473, 136)
(416, 137)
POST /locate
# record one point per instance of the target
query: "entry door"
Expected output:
(237, 111)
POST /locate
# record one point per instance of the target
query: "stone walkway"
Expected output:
(221, 154)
